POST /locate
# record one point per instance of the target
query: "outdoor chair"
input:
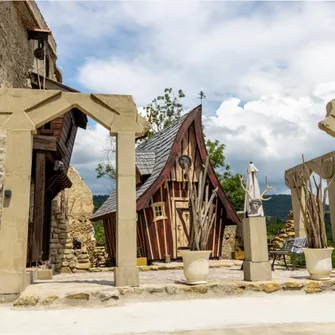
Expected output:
(293, 247)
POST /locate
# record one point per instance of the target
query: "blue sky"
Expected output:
(266, 69)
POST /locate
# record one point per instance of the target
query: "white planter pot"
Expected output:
(319, 262)
(196, 266)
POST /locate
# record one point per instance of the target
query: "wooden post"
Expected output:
(38, 207)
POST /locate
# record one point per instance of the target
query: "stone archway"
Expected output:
(22, 111)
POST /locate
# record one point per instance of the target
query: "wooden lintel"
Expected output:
(38, 207)
(46, 143)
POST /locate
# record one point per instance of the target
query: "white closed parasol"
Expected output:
(253, 194)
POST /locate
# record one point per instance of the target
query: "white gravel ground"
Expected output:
(232, 314)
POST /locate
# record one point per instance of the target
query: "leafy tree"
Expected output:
(107, 167)
(164, 110)
(230, 182)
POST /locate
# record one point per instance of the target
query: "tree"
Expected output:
(229, 181)
(161, 113)
(107, 167)
(164, 110)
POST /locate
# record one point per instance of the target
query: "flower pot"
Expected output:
(319, 262)
(196, 266)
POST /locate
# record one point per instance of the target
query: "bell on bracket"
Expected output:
(39, 51)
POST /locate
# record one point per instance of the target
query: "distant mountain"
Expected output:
(98, 200)
(278, 206)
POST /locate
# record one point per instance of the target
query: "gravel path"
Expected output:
(173, 276)
(268, 315)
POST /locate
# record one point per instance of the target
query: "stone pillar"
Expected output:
(126, 271)
(256, 265)
(15, 214)
(331, 197)
(298, 218)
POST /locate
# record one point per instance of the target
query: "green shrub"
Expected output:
(99, 233)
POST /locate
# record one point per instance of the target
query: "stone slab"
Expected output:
(260, 271)
(126, 276)
(44, 274)
(255, 239)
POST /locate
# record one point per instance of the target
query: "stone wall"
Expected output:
(228, 245)
(16, 51)
(17, 55)
(72, 246)
(286, 232)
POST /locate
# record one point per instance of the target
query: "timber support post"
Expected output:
(38, 207)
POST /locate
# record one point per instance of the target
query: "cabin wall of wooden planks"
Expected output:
(64, 128)
(156, 239)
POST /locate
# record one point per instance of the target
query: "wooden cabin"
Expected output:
(52, 150)
(162, 193)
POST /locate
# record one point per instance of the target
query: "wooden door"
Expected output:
(182, 225)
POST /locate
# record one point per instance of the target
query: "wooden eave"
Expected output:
(80, 117)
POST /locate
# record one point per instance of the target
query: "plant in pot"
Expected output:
(202, 216)
(312, 204)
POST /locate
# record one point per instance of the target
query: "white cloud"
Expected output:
(276, 58)
(87, 153)
(273, 132)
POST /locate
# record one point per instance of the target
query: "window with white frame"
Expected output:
(158, 209)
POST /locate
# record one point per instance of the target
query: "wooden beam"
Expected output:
(47, 143)
(38, 207)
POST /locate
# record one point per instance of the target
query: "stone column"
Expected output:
(15, 214)
(299, 226)
(331, 197)
(256, 265)
(126, 271)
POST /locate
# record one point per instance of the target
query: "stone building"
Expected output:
(59, 210)
(72, 247)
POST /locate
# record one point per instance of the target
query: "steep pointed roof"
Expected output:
(165, 146)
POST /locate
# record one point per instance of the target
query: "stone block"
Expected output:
(65, 270)
(260, 271)
(82, 266)
(62, 226)
(44, 274)
(126, 276)
(255, 239)
(55, 246)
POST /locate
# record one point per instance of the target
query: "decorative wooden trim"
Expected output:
(231, 214)
(144, 200)
(148, 233)
(194, 116)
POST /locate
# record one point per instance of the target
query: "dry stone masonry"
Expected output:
(229, 242)
(72, 247)
(286, 232)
